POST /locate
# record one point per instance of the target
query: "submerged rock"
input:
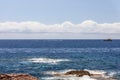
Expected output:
(78, 73)
(17, 77)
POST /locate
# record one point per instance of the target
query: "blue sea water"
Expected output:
(39, 56)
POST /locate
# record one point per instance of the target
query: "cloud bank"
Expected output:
(87, 26)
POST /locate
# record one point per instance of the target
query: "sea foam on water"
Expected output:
(60, 75)
(69, 78)
(47, 60)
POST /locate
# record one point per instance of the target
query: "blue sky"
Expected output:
(57, 11)
(50, 12)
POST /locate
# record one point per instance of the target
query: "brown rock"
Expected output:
(17, 77)
(5, 77)
(78, 73)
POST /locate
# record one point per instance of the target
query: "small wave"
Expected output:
(58, 72)
(98, 75)
(47, 60)
(67, 70)
(101, 72)
(68, 78)
(113, 73)
(62, 77)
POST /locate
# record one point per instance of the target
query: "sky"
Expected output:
(59, 19)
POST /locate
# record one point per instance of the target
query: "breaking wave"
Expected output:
(61, 76)
(69, 78)
(47, 60)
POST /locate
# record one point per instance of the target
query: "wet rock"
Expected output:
(17, 77)
(78, 73)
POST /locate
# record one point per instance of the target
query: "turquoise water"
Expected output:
(57, 55)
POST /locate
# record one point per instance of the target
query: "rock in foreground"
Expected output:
(17, 77)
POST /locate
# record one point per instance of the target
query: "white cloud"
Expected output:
(87, 26)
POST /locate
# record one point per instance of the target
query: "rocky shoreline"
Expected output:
(17, 77)
(96, 76)
(81, 75)
(76, 74)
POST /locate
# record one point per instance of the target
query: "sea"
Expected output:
(40, 58)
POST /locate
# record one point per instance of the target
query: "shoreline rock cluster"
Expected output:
(72, 73)
(17, 77)
(81, 73)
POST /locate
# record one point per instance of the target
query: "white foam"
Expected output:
(65, 77)
(47, 60)
(59, 75)
(58, 72)
(68, 78)
(100, 72)
(96, 71)
(113, 73)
